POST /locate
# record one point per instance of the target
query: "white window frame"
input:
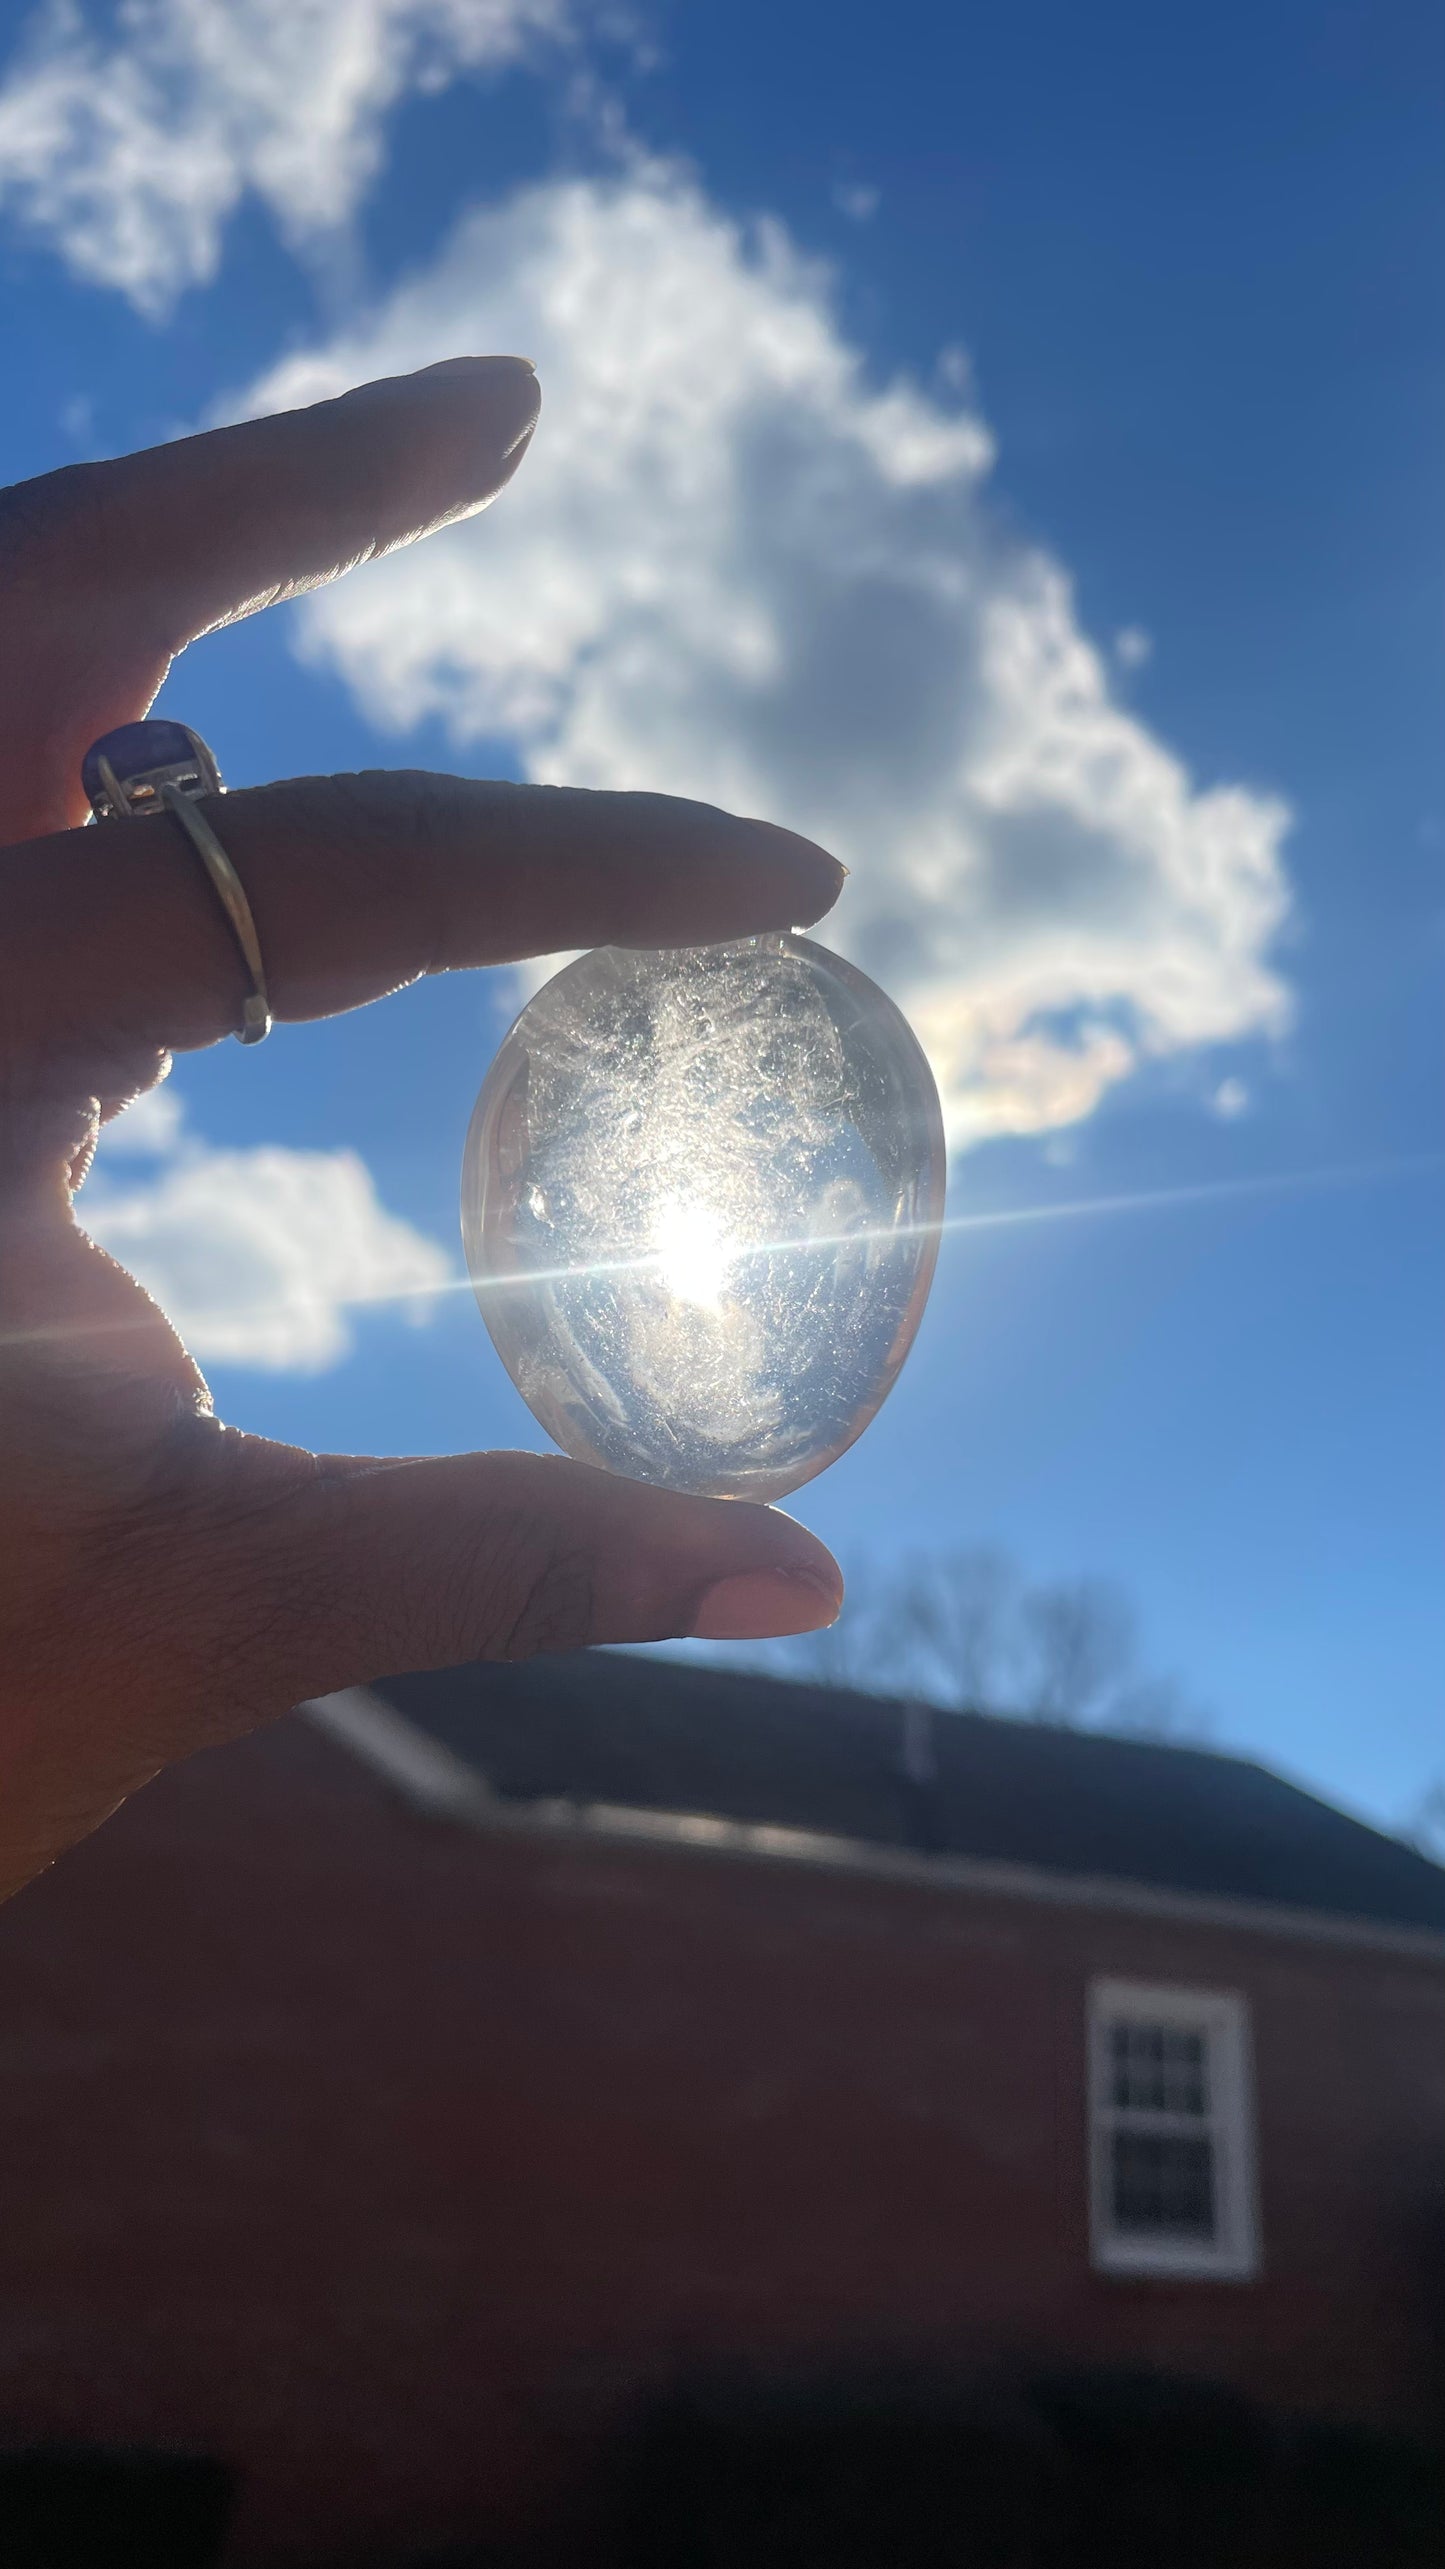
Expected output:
(1222, 2016)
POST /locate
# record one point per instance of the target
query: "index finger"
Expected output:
(115, 950)
(108, 569)
(203, 530)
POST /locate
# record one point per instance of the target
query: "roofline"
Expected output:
(434, 1781)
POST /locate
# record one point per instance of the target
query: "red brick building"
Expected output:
(397, 2105)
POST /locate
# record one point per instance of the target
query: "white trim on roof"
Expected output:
(443, 1786)
(428, 1775)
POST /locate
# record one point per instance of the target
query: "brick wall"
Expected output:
(393, 2162)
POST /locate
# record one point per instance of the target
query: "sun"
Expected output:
(693, 1253)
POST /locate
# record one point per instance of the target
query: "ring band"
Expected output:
(256, 1020)
(160, 766)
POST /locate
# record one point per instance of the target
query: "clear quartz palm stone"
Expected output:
(700, 1202)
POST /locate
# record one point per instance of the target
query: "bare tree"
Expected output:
(848, 1652)
(1080, 1641)
(962, 1630)
(960, 1614)
(940, 1629)
(1155, 1708)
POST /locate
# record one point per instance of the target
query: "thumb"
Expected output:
(401, 1565)
(259, 1576)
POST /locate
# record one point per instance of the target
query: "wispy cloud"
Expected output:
(259, 1256)
(858, 201)
(129, 134)
(734, 567)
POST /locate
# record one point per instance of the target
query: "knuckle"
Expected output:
(537, 1590)
(554, 1610)
(37, 517)
(376, 844)
(60, 533)
(425, 816)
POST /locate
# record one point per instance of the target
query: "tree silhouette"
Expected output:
(965, 1631)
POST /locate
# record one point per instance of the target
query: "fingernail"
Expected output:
(761, 1605)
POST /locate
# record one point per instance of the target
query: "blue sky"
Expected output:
(1007, 444)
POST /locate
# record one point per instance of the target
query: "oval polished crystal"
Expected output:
(700, 1202)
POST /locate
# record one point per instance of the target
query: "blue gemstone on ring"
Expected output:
(124, 770)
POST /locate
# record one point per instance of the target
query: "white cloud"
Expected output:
(1230, 1101)
(148, 1129)
(259, 1256)
(129, 135)
(734, 568)
(1133, 646)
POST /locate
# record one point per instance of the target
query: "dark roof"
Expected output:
(613, 1727)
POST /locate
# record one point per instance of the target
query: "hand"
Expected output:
(166, 1581)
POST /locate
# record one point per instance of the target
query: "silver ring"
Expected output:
(162, 767)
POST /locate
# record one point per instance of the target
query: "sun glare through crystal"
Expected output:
(693, 1253)
(700, 1201)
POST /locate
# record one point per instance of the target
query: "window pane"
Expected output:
(1158, 2069)
(1162, 2185)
